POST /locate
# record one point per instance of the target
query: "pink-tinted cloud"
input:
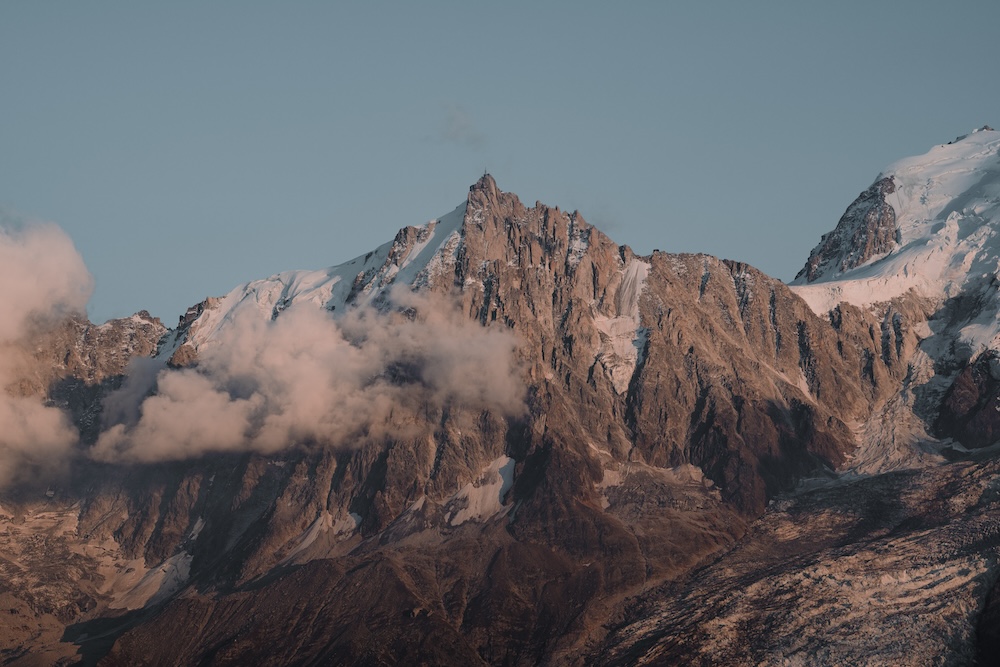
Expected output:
(44, 279)
(306, 379)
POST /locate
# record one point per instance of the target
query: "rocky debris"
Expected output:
(51, 578)
(867, 229)
(892, 569)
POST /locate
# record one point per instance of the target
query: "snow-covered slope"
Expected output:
(920, 250)
(417, 255)
(946, 207)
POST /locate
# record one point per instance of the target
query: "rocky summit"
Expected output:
(503, 439)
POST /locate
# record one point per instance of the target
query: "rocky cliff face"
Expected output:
(53, 572)
(867, 229)
(669, 401)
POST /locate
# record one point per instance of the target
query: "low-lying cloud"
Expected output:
(260, 385)
(44, 280)
(304, 379)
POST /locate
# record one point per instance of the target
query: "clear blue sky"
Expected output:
(190, 146)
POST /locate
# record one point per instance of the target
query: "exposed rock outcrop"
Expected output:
(77, 363)
(867, 229)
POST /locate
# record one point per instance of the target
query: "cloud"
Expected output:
(37, 440)
(122, 406)
(459, 128)
(44, 279)
(305, 379)
(604, 220)
(301, 380)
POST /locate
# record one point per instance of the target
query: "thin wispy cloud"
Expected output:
(459, 128)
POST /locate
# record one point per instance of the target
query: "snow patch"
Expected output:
(623, 340)
(427, 258)
(347, 525)
(199, 525)
(484, 498)
(356, 282)
(158, 584)
(324, 523)
(417, 504)
(320, 524)
(579, 242)
(947, 205)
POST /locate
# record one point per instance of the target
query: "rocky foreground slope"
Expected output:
(619, 479)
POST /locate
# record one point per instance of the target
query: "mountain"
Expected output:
(501, 438)
(927, 224)
(944, 208)
(896, 561)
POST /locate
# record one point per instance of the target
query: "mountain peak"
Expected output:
(867, 229)
(930, 223)
(485, 184)
(984, 128)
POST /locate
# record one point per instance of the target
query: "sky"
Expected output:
(188, 147)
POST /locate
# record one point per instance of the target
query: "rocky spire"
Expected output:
(486, 185)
